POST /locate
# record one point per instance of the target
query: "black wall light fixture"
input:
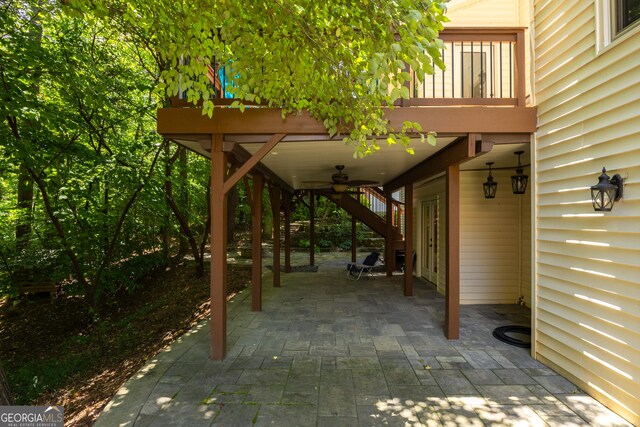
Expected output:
(606, 192)
(490, 186)
(519, 180)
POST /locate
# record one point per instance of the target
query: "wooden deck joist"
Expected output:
(176, 122)
(458, 151)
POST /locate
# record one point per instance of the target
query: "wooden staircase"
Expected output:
(375, 219)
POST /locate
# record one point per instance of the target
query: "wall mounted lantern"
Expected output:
(490, 186)
(606, 192)
(519, 180)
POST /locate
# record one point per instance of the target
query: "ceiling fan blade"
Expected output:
(362, 183)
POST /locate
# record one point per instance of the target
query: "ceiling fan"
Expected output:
(340, 182)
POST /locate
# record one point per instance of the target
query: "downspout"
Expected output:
(520, 295)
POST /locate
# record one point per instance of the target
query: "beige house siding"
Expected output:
(587, 263)
(494, 237)
(491, 241)
(482, 13)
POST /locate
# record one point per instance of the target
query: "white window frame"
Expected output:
(606, 26)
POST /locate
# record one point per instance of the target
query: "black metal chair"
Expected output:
(357, 269)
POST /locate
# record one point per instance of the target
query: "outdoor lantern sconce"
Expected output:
(519, 180)
(490, 186)
(606, 192)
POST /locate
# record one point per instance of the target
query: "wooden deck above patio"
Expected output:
(482, 90)
(479, 101)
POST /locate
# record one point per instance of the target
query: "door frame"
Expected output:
(427, 209)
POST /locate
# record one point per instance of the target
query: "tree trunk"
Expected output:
(179, 213)
(167, 220)
(184, 226)
(183, 196)
(25, 182)
(105, 219)
(207, 230)
(25, 205)
(6, 398)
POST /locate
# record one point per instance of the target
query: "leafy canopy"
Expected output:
(340, 60)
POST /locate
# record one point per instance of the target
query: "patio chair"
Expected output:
(356, 270)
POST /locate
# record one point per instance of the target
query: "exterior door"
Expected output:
(430, 240)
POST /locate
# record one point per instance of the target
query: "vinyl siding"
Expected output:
(493, 249)
(482, 13)
(490, 246)
(587, 279)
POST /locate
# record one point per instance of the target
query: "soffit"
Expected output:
(299, 161)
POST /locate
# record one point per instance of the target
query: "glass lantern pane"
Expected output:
(603, 200)
(519, 184)
(489, 190)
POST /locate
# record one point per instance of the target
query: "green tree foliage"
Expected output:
(77, 116)
(340, 60)
(89, 194)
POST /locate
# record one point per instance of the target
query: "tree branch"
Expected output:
(75, 262)
(112, 244)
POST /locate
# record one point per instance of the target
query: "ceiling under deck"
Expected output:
(298, 159)
(298, 162)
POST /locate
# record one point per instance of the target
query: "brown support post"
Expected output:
(452, 303)
(390, 256)
(218, 250)
(287, 232)
(520, 69)
(275, 208)
(408, 240)
(312, 227)
(256, 243)
(353, 238)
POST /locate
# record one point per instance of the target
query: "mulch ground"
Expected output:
(100, 356)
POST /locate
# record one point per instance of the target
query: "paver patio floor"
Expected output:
(327, 351)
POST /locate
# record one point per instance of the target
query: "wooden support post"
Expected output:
(218, 250)
(452, 303)
(275, 209)
(287, 232)
(354, 222)
(312, 227)
(520, 69)
(256, 243)
(390, 255)
(408, 240)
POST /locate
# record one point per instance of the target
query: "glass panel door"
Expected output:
(430, 240)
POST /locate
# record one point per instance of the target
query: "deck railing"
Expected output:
(484, 66)
(374, 199)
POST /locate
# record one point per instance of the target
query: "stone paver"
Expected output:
(327, 351)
